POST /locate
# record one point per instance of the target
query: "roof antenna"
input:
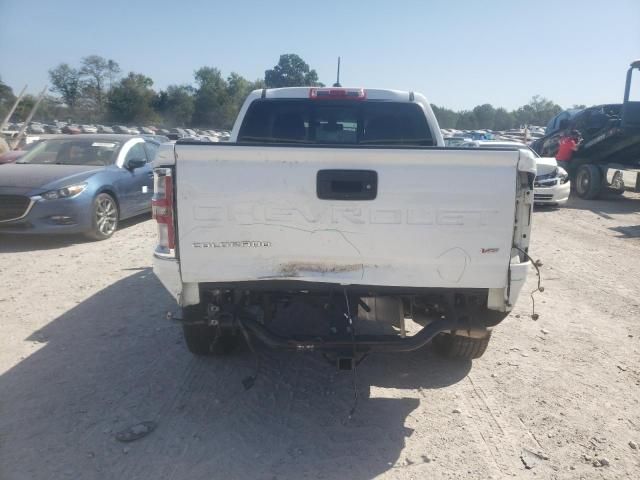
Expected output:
(337, 84)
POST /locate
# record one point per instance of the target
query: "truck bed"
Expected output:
(440, 217)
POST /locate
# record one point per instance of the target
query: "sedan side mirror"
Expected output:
(134, 163)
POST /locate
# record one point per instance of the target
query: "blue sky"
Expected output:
(459, 53)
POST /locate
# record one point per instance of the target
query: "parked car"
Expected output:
(10, 130)
(334, 200)
(455, 141)
(36, 128)
(13, 155)
(53, 129)
(71, 129)
(156, 138)
(77, 184)
(177, 133)
(88, 129)
(121, 129)
(207, 138)
(551, 185)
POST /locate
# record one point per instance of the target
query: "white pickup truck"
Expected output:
(346, 202)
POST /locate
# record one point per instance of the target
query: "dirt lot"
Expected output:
(86, 351)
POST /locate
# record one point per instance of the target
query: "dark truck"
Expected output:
(609, 155)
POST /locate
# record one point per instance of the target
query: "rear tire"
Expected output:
(588, 182)
(457, 346)
(203, 340)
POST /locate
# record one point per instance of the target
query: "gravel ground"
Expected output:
(86, 351)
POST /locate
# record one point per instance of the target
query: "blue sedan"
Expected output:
(77, 184)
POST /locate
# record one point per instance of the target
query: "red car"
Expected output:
(11, 156)
(14, 155)
(72, 129)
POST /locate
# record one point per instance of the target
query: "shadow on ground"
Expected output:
(114, 360)
(10, 243)
(629, 231)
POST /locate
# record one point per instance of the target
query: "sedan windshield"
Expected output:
(74, 151)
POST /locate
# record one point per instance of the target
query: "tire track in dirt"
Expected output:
(508, 440)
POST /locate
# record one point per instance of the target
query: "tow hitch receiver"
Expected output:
(345, 363)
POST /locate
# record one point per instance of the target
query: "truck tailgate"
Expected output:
(440, 217)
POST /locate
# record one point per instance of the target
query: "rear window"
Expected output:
(335, 123)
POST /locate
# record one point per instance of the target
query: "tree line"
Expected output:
(538, 111)
(96, 91)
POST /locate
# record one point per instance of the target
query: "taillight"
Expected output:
(337, 94)
(162, 210)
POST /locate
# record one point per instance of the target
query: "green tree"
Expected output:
(6, 99)
(485, 115)
(65, 80)
(24, 107)
(131, 100)
(211, 99)
(176, 105)
(466, 120)
(49, 109)
(238, 88)
(502, 120)
(291, 71)
(446, 118)
(538, 111)
(113, 70)
(95, 71)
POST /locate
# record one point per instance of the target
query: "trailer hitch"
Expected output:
(362, 343)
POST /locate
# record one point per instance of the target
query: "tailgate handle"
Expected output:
(347, 184)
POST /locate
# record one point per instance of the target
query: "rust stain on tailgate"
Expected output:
(293, 269)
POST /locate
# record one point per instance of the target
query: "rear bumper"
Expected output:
(168, 272)
(519, 272)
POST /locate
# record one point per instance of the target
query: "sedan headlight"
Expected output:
(563, 175)
(66, 192)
